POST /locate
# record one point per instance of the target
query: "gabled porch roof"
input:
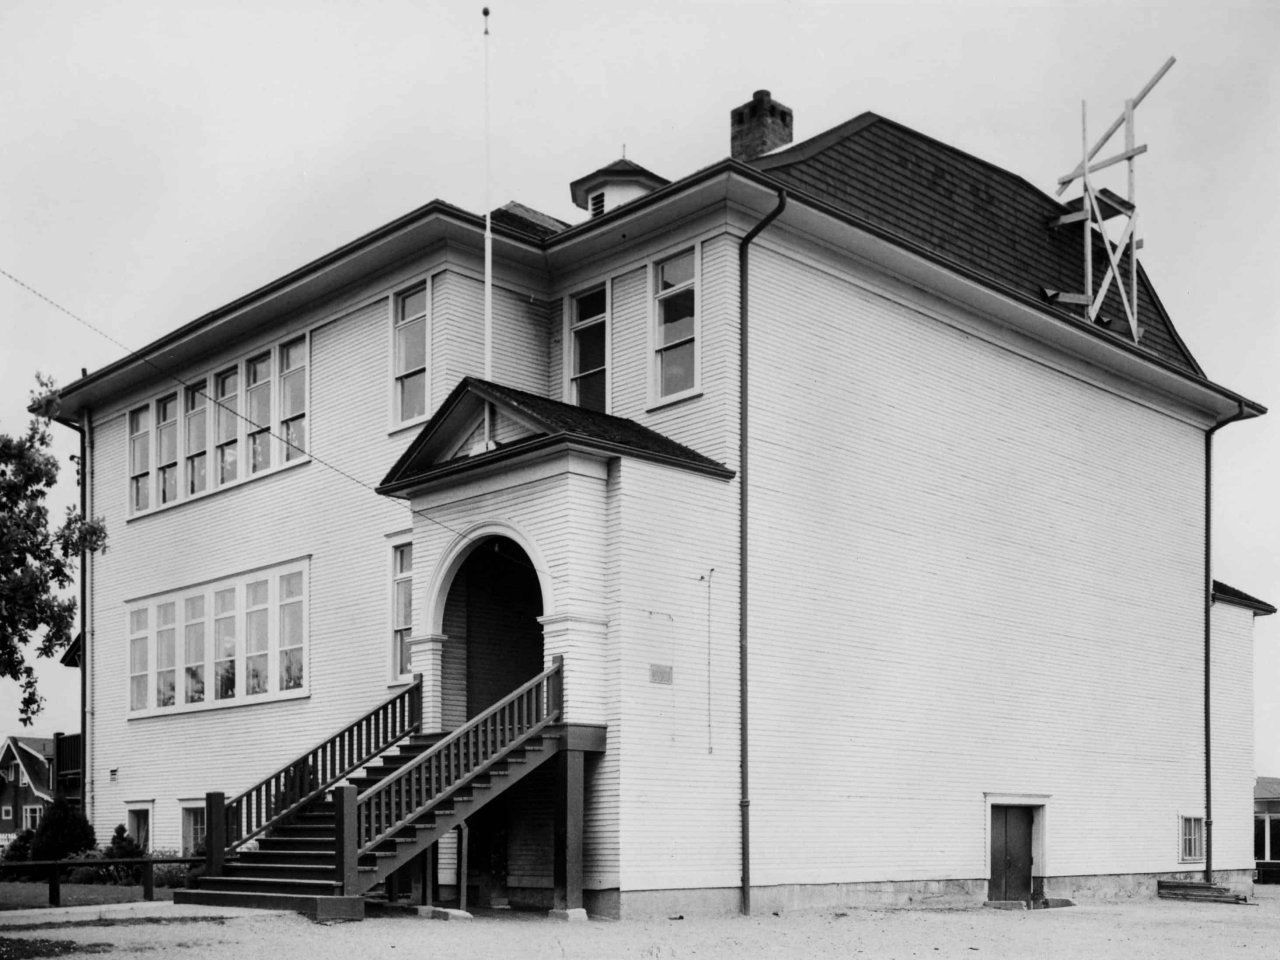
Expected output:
(539, 423)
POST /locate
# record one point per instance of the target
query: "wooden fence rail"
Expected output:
(54, 869)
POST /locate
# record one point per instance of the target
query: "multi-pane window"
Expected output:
(1193, 838)
(291, 631)
(293, 398)
(588, 335)
(30, 817)
(138, 647)
(224, 644)
(167, 448)
(411, 353)
(220, 643)
(140, 458)
(228, 396)
(197, 438)
(246, 419)
(402, 603)
(193, 830)
(676, 305)
(258, 381)
(166, 654)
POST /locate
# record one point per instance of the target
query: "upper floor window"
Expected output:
(589, 336)
(402, 604)
(411, 354)
(243, 639)
(188, 443)
(675, 343)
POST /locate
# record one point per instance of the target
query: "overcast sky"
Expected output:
(160, 159)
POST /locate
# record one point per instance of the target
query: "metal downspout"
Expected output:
(86, 562)
(744, 803)
(1208, 647)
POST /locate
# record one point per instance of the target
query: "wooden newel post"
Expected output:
(215, 832)
(348, 849)
(415, 704)
(555, 687)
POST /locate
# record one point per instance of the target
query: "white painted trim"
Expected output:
(395, 423)
(149, 807)
(655, 398)
(39, 814)
(567, 328)
(1039, 802)
(392, 546)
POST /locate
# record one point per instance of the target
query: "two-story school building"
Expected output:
(786, 542)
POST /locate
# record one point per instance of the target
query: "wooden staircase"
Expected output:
(345, 830)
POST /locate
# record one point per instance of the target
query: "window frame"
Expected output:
(23, 779)
(148, 629)
(226, 430)
(572, 327)
(6, 813)
(395, 300)
(132, 810)
(657, 348)
(1190, 832)
(39, 815)
(189, 842)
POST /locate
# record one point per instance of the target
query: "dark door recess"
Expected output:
(1010, 853)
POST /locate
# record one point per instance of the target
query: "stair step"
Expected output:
(314, 888)
(313, 906)
(280, 871)
(299, 844)
(324, 855)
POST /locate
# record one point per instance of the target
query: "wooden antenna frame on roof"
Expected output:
(1099, 205)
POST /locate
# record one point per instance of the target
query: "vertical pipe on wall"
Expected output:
(1208, 645)
(744, 802)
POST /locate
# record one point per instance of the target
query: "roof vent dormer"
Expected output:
(613, 186)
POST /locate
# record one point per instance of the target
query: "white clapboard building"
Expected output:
(790, 541)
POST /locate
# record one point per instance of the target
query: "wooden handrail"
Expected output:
(308, 776)
(435, 774)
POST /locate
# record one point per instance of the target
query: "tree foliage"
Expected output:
(62, 832)
(37, 564)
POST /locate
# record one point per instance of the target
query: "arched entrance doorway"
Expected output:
(494, 639)
(494, 645)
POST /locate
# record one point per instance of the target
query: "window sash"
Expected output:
(402, 605)
(409, 361)
(675, 334)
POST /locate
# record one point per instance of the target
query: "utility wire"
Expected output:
(132, 354)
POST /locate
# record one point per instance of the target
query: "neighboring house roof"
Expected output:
(71, 656)
(33, 754)
(1238, 598)
(531, 221)
(1266, 788)
(964, 210)
(434, 453)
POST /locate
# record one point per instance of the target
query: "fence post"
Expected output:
(215, 833)
(148, 880)
(347, 843)
(55, 887)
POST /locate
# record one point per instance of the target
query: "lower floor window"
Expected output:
(30, 818)
(1193, 838)
(236, 640)
(139, 826)
(192, 831)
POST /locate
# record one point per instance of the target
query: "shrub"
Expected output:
(19, 847)
(100, 873)
(169, 874)
(124, 847)
(63, 832)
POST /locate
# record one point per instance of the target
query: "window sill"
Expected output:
(217, 705)
(205, 495)
(674, 399)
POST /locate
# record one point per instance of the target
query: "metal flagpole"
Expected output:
(488, 245)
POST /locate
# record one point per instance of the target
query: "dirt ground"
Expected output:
(27, 896)
(1167, 930)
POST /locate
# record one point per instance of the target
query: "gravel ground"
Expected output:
(1167, 930)
(26, 896)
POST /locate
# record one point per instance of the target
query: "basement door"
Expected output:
(1010, 853)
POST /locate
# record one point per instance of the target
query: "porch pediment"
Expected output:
(453, 440)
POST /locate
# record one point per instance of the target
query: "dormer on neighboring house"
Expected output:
(613, 185)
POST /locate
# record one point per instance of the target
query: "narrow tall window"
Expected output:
(197, 438)
(293, 398)
(676, 306)
(411, 354)
(258, 383)
(588, 334)
(228, 396)
(140, 458)
(1192, 838)
(193, 831)
(138, 659)
(167, 448)
(257, 637)
(193, 649)
(166, 662)
(224, 644)
(291, 631)
(402, 604)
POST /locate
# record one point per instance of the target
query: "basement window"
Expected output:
(1192, 847)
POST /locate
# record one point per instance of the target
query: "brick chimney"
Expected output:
(758, 126)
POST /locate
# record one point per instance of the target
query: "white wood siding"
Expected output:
(1233, 733)
(969, 573)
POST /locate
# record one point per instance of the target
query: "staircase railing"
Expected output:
(435, 774)
(301, 780)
